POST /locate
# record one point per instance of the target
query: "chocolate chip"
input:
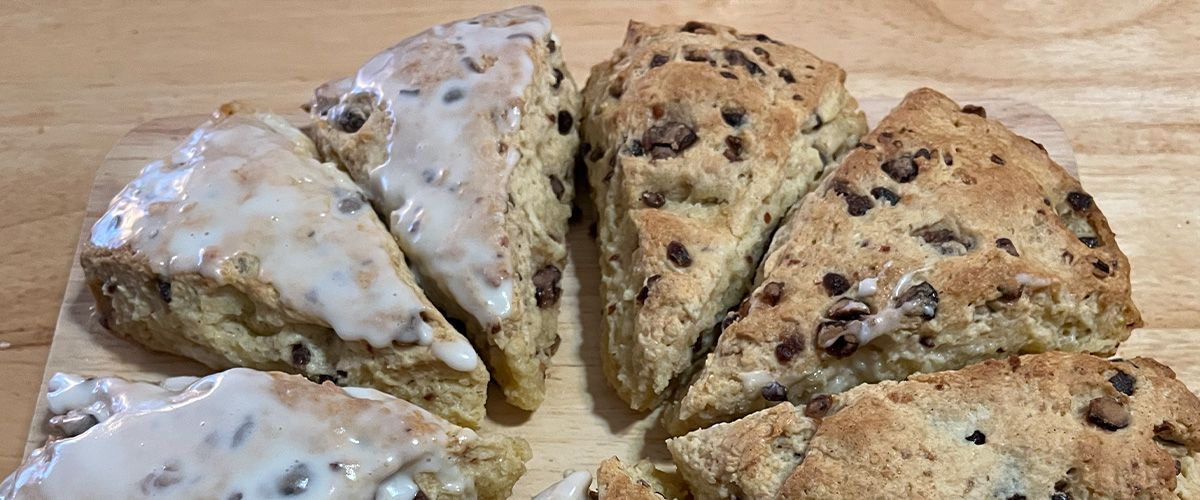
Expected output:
(646, 286)
(472, 65)
(697, 27)
(901, 169)
(977, 438)
(835, 284)
(409, 92)
(243, 431)
(997, 159)
(975, 110)
(1101, 268)
(1089, 241)
(856, 204)
(1108, 414)
(738, 58)
(678, 254)
(616, 89)
(786, 350)
(634, 148)
(1081, 202)
(818, 406)
(350, 204)
(556, 186)
(1016, 496)
(1123, 382)
(452, 95)
(545, 283)
(885, 194)
(696, 55)
(729, 75)
(558, 78)
(771, 293)
(565, 122)
(653, 200)
(734, 117)
(659, 60)
(164, 289)
(921, 300)
(847, 309)
(351, 120)
(1060, 496)
(733, 148)
(787, 75)
(300, 355)
(923, 153)
(294, 481)
(837, 339)
(774, 391)
(1009, 294)
(668, 140)
(926, 341)
(948, 158)
(1007, 245)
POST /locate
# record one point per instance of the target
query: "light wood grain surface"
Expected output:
(1120, 77)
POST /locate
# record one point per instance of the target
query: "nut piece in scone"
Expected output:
(464, 137)
(240, 248)
(249, 434)
(697, 139)
(1054, 425)
(944, 239)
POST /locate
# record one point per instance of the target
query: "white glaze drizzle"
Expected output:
(573, 486)
(754, 381)
(249, 185)
(443, 184)
(240, 431)
(1033, 281)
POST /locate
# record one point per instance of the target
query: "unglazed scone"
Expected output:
(249, 434)
(943, 240)
(1054, 425)
(464, 137)
(697, 140)
(240, 248)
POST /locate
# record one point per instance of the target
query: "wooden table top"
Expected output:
(1121, 77)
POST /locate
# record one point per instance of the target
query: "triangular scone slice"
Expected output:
(241, 249)
(945, 239)
(697, 140)
(249, 434)
(1053, 425)
(464, 136)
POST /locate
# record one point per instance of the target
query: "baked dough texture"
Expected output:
(942, 240)
(697, 139)
(642, 481)
(1054, 425)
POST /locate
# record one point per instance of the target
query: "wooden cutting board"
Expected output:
(582, 422)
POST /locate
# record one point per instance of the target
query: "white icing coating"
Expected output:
(240, 431)
(867, 287)
(754, 381)
(453, 92)
(573, 486)
(1033, 281)
(246, 191)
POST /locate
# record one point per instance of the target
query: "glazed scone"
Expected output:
(697, 139)
(249, 434)
(240, 248)
(943, 240)
(464, 137)
(643, 481)
(1055, 425)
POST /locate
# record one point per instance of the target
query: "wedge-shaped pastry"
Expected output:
(945, 239)
(642, 481)
(1055, 425)
(464, 137)
(241, 249)
(697, 140)
(249, 434)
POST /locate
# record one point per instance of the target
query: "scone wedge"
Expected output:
(642, 481)
(1054, 425)
(464, 136)
(697, 139)
(943, 240)
(249, 434)
(240, 248)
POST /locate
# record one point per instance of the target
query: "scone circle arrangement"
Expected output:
(813, 309)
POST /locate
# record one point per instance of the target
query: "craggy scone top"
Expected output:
(697, 139)
(249, 434)
(1055, 425)
(943, 240)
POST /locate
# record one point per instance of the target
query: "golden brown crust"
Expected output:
(1024, 427)
(699, 136)
(959, 240)
(642, 481)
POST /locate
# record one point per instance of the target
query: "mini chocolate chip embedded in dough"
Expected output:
(678, 254)
(295, 480)
(997, 160)
(659, 60)
(452, 95)
(558, 78)
(1123, 382)
(1089, 241)
(901, 169)
(977, 437)
(1008, 246)
(919, 300)
(350, 120)
(242, 433)
(1107, 413)
(847, 309)
(300, 355)
(771, 292)
(791, 346)
(885, 194)
(733, 148)
(565, 122)
(975, 110)
(1079, 201)
(1100, 268)
(835, 284)
(546, 288)
(729, 75)
(697, 27)
(653, 200)
(734, 117)
(856, 204)
(350, 204)
(774, 391)
(818, 406)
(164, 289)
(644, 293)
(668, 140)
(738, 58)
